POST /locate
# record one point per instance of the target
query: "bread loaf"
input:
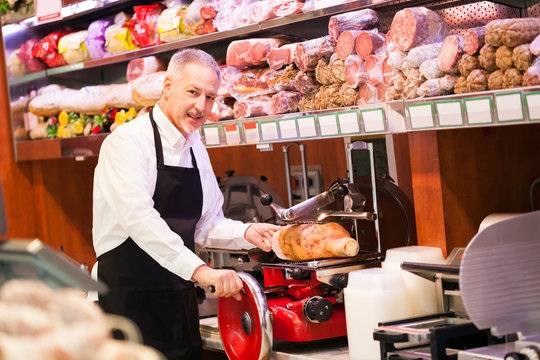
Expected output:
(512, 32)
(146, 90)
(314, 241)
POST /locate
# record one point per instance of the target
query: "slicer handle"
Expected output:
(212, 289)
(266, 199)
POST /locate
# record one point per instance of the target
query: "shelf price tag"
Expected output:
(251, 131)
(287, 128)
(533, 105)
(421, 115)
(509, 107)
(232, 134)
(373, 120)
(269, 130)
(478, 110)
(328, 124)
(449, 112)
(348, 122)
(306, 126)
(48, 10)
(211, 135)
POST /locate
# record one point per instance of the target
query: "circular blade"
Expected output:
(246, 325)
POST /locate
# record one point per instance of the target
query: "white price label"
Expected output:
(211, 135)
(251, 132)
(232, 135)
(306, 126)
(421, 116)
(348, 122)
(373, 120)
(449, 113)
(509, 108)
(478, 110)
(288, 129)
(533, 105)
(328, 125)
(269, 130)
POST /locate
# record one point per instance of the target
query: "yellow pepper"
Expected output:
(131, 114)
(60, 131)
(120, 117)
(63, 118)
(78, 127)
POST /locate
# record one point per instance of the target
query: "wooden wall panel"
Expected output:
(484, 171)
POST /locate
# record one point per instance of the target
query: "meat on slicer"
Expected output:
(298, 301)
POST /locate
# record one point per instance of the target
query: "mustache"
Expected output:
(195, 114)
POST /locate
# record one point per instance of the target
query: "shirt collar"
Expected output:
(169, 132)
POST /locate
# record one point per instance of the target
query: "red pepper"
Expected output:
(96, 129)
(54, 120)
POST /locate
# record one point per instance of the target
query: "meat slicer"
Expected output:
(300, 301)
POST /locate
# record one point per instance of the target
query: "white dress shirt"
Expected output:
(124, 183)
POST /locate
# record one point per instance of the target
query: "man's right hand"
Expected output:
(226, 282)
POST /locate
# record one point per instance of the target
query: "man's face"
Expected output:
(188, 99)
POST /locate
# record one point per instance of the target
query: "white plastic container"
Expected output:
(372, 295)
(422, 293)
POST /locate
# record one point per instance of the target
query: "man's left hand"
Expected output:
(260, 235)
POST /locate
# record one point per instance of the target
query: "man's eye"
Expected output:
(193, 92)
(212, 98)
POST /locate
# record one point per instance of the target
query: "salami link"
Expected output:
(417, 26)
(355, 70)
(308, 53)
(388, 73)
(419, 54)
(474, 39)
(285, 102)
(368, 43)
(450, 53)
(355, 20)
(346, 43)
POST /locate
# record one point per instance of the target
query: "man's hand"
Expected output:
(226, 282)
(260, 235)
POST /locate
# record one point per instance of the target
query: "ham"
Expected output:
(250, 52)
(534, 48)
(144, 66)
(286, 7)
(417, 26)
(255, 106)
(308, 53)
(251, 81)
(285, 102)
(281, 56)
(368, 43)
(313, 241)
(261, 10)
(355, 20)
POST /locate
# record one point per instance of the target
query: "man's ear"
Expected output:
(167, 87)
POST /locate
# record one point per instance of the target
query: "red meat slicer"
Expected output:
(300, 301)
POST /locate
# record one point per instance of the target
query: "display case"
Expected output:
(490, 108)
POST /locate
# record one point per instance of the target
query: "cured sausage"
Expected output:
(450, 53)
(314, 241)
(355, 70)
(534, 47)
(368, 43)
(417, 26)
(308, 53)
(512, 32)
(250, 52)
(355, 20)
(474, 39)
(388, 73)
(419, 54)
(346, 43)
(251, 81)
(281, 56)
(486, 58)
(522, 57)
(503, 57)
(285, 102)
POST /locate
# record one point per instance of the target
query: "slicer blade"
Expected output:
(246, 325)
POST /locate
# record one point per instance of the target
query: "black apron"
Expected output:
(162, 304)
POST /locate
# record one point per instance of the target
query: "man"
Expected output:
(155, 195)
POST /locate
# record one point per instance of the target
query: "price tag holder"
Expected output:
(232, 134)
(48, 10)
(533, 105)
(373, 120)
(449, 112)
(287, 127)
(269, 130)
(509, 107)
(348, 122)
(421, 115)
(306, 126)
(211, 135)
(328, 124)
(251, 132)
(478, 110)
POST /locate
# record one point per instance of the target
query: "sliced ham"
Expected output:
(314, 241)
(281, 56)
(355, 70)
(255, 106)
(450, 53)
(417, 26)
(355, 20)
(308, 53)
(285, 102)
(250, 52)
(368, 43)
(474, 39)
